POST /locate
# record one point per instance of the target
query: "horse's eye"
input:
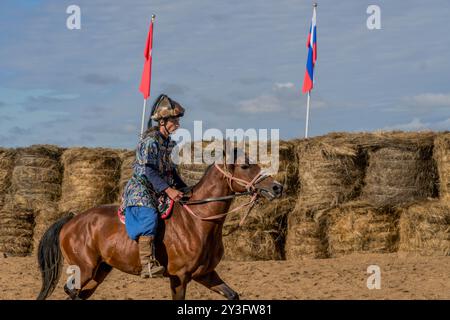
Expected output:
(245, 166)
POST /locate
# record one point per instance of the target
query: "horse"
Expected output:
(189, 243)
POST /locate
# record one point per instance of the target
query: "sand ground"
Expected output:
(402, 277)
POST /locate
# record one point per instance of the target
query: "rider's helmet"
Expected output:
(165, 108)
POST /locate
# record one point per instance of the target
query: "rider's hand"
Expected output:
(174, 194)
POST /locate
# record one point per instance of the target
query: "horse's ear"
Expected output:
(235, 154)
(226, 155)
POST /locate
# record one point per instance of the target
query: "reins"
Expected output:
(223, 198)
(249, 186)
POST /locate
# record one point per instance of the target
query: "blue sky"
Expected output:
(231, 64)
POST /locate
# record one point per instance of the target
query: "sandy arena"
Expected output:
(402, 277)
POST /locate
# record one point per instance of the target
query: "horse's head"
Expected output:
(247, 176)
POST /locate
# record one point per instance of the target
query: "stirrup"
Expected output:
(156, 274)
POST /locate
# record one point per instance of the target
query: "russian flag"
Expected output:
(311, 44)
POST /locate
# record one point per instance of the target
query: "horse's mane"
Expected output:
(203, 177)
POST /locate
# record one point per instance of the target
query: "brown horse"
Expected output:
(189, 244)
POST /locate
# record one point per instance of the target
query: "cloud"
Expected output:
(18, 131)
(54, 123)
(99, 79)
(252, 80)
(5, 119)
(7, 141)
(173, 89)
(129, 128)
(285, 97)
(2, 104)
(47, 99)
(287, 85)
(219, 77)
(263, 103)
(89, 112)
(421, 105)
(430, 100)
(417, 125)
(442, 125)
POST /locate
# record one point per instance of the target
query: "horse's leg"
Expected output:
(212, 281)
(178, 287)
(100, 275)
(72, 293)
(86, 274)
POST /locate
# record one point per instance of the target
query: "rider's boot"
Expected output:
(150, 266)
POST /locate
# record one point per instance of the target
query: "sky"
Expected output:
(231, 64)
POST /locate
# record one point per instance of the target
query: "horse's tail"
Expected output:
(50, 257)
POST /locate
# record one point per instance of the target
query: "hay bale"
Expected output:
(192, 170)
(425, 228)
(7, 159)
(44, 218)
(330, 171)
(360, 227)
(305, 237)
(127, 159)
(91, 178)
(262, 235)
(16, 229)
(35, 186)
(36, 177)
(287, 173)
(442, 158)
(192, 173)
(400, 173)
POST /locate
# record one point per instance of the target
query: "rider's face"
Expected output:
(172, 124)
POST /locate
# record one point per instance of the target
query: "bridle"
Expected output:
(250, 186)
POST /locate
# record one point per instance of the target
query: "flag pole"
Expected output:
(309, 96)
(143, 117)
(307, 114)
(145, 100)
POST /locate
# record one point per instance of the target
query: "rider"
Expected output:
(154, 174)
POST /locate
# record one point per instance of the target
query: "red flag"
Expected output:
(147, 72)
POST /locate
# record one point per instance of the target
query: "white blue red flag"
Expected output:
(311, 44)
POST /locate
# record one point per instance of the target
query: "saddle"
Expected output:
(164, 205)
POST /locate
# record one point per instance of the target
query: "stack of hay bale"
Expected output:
(425, 226)
(399, 171)
(262, 236)
(343, 193)
(33, 195)
(330, 172)
(91, 178)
